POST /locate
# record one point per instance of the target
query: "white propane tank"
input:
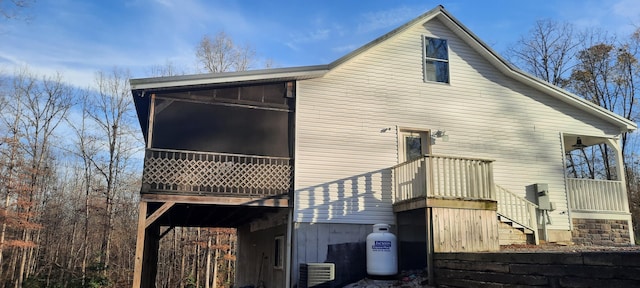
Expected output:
(382, 252)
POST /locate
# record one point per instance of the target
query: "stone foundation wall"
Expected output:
(578, 269)
(601, 232)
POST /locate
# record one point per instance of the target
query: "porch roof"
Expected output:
(230, 78)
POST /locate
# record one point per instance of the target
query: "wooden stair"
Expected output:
(517, 218)
(510, 232)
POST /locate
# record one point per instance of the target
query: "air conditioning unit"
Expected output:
(317, 275)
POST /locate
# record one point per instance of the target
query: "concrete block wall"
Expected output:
(579, 269)
(601, 232)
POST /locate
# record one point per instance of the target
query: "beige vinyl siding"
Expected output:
(340, 120)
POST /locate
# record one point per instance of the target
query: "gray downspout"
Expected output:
(287, 274)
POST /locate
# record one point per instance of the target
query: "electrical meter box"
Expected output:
(542, 191)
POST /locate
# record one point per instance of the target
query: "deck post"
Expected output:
(150, 257)
(429, 226)
(147, 245)
(622, 177)
(137, 270)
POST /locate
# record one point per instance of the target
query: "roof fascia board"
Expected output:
(294, 73)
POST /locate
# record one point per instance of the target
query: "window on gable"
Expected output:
(436, 60)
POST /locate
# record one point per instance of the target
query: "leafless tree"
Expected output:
(604, 76)
(37, 108)
(111, 111)
(85, 150)
(547, 51)
(46, 104)
(168, 69)
(56, 209)
(11, 158)
(221, 54)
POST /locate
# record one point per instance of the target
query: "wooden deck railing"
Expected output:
(215, 173)
(444, 177)
(516, 209)
(597, 195)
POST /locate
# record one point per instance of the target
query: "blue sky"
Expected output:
(78, 38)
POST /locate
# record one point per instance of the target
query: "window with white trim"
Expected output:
(436, 60)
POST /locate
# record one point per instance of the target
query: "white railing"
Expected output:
(410, 180)
(516, 208)
(597, 195)
(444, 177)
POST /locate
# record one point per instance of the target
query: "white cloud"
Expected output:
(620, 17)
(385, 19)
(166, 3)
(308, 37)
(80, 39)
(627, 9)
(627, 13)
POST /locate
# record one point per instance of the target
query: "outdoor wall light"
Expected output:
(440, 134)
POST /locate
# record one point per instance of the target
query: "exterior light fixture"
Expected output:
(579, 144)
(439, 134)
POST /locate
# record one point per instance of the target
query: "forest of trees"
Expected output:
(71, 161)
(68, 180)
(70, 169)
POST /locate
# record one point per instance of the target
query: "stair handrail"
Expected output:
(517, 209)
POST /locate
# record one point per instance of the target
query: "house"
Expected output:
(425, 128)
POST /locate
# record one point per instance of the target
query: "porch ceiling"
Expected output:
(207, 215)
(571, 140)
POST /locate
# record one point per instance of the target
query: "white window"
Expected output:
(436, 60)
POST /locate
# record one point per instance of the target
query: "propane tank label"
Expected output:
(381, 246)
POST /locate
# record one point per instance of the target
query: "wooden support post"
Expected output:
(137, 270)
(152, 105)
(429, 226)
(150, 257)
(147, 245)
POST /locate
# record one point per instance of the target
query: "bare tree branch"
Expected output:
(546, 51)
(221, 54)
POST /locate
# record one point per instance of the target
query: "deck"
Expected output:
(452, 186)
(444, 177)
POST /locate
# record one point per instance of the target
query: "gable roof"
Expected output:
(498, 62)
(309, 72)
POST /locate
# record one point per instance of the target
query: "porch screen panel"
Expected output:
(195, 126)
